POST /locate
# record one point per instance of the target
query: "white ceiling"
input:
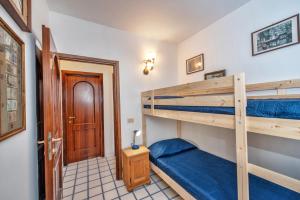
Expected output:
(167, 20)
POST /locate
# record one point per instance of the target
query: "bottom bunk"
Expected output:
(208, 177)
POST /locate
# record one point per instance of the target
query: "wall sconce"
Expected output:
(149, 65)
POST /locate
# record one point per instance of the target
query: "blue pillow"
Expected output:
(169, 147)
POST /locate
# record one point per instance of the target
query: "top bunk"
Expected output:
(218, 102)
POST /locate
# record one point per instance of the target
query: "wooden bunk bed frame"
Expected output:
(228, 91)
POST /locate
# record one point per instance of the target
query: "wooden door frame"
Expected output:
(46, 55)
(64, 73)
(116, 100)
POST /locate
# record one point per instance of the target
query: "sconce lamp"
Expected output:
(149, 65)
(135, 134)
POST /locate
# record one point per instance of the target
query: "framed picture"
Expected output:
(215, 74)
(20, 11)
(281, 34)
(12, 83)
(195, 64)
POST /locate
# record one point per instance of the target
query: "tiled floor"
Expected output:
(94, 179)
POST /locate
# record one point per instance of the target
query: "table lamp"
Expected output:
(135, 134)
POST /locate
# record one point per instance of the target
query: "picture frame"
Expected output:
(20, 11)
(195, 64)
(215, 74)
(276, 36)
(12, 82)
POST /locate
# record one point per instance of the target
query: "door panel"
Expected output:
(139, 169)
(84, 99)
(83, 115)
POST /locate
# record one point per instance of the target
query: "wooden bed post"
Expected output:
(144, 127)
(241, 136)
(178, 128)
(152, 102)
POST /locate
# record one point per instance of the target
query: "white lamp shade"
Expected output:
(138, 133)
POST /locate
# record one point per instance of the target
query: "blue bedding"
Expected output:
(170, 147)
(268, 108)
(208, 177)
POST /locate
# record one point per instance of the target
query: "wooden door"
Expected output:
(83, 102)
(50, 102)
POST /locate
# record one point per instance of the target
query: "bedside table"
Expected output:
(136, 167)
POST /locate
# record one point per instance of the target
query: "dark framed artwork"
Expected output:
(12, 82)
(195, 64)
(279, 35)
(215, 74)
(20, 11)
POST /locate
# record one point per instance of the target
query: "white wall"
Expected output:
(226, 44)
(40, 16)
(79, 37)
(18, 154)
(107, 72)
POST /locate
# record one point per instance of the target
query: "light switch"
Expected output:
(130, 120)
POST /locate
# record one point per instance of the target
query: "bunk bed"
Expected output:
(223, 102)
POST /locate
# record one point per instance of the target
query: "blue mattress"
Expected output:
(268, 108)
(208, 177)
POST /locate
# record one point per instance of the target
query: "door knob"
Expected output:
(54, 151)
(72, 117)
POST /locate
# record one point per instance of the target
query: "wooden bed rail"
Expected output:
(225, 85)
(280, 179)
(276, 85)
(175, 186)
(206, 100)
(214, 86)
(280, 96)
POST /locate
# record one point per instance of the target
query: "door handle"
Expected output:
(56, 139)
(71, 119)
(41, 142)
(49, 138)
